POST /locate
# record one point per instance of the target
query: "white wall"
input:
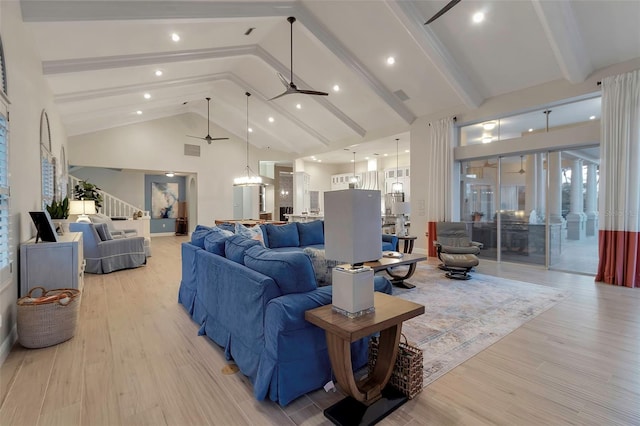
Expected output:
(159, 145)
(320, 178)
(29, 95)
(128, 185)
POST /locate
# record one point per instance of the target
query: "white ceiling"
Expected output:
(99, 57)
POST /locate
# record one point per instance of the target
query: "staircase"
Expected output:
(111, 206)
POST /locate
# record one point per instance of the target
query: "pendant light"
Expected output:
(396, 187)
(353, 182)
(250, 179)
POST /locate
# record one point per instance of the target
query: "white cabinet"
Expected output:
(52, 265)
(302, 199)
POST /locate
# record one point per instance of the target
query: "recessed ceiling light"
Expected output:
(319, 161)
(391, 60)
(366, 158)
(147, 95)
(530, 130)
(593, 117)
(489, 125)
(158, 73)
(250, 130)
(353, 161)
(175, 37)
(139, 112)
(299, 106)
(169, 174)
(313, 157)
(406, 150)
(478, 17)
(487, 139)
(336, 88)
(271, 119)
(386, 155)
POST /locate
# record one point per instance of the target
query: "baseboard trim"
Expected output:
(7, 344)
(163, 234)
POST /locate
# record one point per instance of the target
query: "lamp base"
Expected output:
(353, 291)
(83, 218)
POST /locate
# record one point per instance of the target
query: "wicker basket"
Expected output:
(407, 371)
(49, 319)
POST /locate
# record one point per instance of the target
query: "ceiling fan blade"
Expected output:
(196, 137)
(442, 11)
(218, 139)
(312, 92)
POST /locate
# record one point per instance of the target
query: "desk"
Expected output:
(366, 397)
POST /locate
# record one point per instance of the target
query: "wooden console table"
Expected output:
(387, 263)
(341, 331)
(408, 243)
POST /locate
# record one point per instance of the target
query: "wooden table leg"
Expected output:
(398, 279)
(368, 390)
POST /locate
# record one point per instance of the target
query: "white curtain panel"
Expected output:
(619, 206)
(439, 165)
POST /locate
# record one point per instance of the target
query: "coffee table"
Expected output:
(368, 401)
(386, 263)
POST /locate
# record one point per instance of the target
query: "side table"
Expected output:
(408, 243)
(368, 401)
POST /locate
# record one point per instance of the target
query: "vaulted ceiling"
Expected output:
(100, 58)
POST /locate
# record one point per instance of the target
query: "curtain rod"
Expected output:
(454, 119)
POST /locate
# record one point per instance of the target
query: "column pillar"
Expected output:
(555, 188)
(591, 208)
(576, 219)
(531, 188)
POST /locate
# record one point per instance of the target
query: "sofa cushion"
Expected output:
(282, 235)
(198, 235)
(214, 240)
(103, 231)
(311, 233)
(253, 233)
(292, 271)
(236, 245)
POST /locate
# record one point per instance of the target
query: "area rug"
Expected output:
(463, 318)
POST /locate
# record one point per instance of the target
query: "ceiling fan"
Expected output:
(442, 11)
(521, 171)
(208, 138)
(290, 85)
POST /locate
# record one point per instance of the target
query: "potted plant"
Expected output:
(85, 190)
(59, 212)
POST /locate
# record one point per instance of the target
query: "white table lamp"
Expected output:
(82, 208)
(352, 234)
(400, 209)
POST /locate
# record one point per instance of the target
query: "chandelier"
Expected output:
(250, 179)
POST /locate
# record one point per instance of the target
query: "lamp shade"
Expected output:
(400, 207)
(352, 225)
(82, 207)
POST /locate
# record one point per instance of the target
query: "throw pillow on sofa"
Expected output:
(199, 234)
(253, 233)
(236, 245)
(214, 242)
(292, 271)
(103, 231)
(282, 235)
(311, 233)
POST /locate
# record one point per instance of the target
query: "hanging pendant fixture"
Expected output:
(250, 178)
(396, 187)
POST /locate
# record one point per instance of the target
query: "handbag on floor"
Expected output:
(407, 370)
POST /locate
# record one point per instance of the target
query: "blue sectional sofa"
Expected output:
(251, 300)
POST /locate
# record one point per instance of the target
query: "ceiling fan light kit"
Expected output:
(208, 138)
(290, 86)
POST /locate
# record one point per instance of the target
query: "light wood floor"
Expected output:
(136, 359)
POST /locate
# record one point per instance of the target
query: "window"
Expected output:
(5, 257)
(47, 162)
(4, 194)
